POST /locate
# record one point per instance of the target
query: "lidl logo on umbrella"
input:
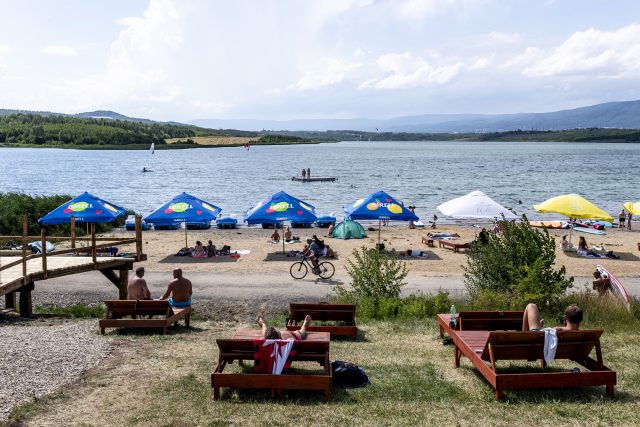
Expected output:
(77, 207)
(207, 206)
(279, 207)
(111, 208)
(177, 207)
(391, 207)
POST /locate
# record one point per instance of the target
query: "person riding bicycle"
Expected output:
(314, 250)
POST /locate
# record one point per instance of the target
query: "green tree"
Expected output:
(514, 268)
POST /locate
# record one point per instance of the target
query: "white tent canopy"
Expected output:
(475, 205)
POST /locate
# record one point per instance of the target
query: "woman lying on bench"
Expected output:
(531, 320)
(271, 333)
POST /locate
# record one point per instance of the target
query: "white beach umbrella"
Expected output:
(475, 205)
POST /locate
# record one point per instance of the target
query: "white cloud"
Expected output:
(329, 71)
(593, 53)
(4, 49)
(502, 38)
(60, 50)
(419, 9)
(404, 70)
(481, 63)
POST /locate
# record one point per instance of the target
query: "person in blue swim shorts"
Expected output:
(179, 290)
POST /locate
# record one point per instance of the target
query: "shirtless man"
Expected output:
(531, 320)
(137, 288)
(179, 290)
(600, 284)
(271, 333)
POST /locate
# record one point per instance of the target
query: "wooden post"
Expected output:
(379, 225)
(25, 233)
(26, 307)
(123, 283)
(73, 232)
(93, 242)
(138, 236)
(186, 243)
(10, 301)
(43, 249)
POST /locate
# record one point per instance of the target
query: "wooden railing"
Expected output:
(92, 248)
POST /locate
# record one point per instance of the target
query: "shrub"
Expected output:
(515, 268)
(374, 275)
(417, 306)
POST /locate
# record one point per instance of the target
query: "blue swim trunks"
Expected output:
(178, 304)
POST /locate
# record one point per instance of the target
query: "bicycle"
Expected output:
(299, 269)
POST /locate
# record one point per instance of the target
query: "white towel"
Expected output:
(550, 345)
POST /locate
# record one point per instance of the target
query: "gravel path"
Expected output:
(38, 359)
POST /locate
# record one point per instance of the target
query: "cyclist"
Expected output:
(313, 251)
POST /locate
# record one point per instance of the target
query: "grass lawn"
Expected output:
(156, 380)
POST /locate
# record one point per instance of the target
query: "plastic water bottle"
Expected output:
(454, 317)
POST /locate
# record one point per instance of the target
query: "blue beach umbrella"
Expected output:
(379, 206)
(84, 208)
(183, 208)
(280, 207)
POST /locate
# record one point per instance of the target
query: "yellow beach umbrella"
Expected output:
(634, 208)
(573, 206)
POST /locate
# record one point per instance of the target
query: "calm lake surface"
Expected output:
(424, 174)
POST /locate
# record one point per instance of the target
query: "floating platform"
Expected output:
(315, 179)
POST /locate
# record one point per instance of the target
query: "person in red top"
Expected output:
(271, 333)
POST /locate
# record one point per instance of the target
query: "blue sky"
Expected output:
(182, 60)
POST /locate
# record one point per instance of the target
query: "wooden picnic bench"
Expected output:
(315, 348)
(118, 309)
(486, 348)
(448, 244)
(482, 321)
(343, 313)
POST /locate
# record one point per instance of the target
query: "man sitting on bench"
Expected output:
(271, 333)
(179, 290)
(531, 320)
(137, 288)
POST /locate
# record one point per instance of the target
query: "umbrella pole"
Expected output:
(283, 249)
(186, 244)
(379, 225)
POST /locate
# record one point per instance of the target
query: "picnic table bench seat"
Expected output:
(343, 313)
(485, 348)
(455, 246)
(315, 348)
(137, 309)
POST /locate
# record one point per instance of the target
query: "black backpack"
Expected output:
(319, 242)
(348, 375)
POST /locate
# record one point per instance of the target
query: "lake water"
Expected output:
(424, 174)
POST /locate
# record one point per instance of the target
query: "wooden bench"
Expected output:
(483, 321)
(448, 244)
(118, 309)
(315, 348)
(344, 313)
(428, 240)
(486, 348)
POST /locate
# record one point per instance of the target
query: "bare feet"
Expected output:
(260, 321)
(307, 321)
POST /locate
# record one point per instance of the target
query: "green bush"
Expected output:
(374, 275)
(418, 306)
(515, 268)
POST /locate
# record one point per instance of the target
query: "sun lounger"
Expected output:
(485, 349)
(315, 348)
(482, 321)
(428, 240)
(448, 244)
(343, 313)
(118, 309)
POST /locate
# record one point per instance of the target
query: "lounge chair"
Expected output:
(118, 309)
(448, 244)
(343, 313)
(315, 348)
(485, 349)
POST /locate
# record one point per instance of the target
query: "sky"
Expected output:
(192, 59)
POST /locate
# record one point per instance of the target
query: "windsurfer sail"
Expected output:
(152, 149)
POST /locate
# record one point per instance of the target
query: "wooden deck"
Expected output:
(12, 278)
(315, 179)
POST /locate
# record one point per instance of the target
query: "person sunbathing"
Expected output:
(531, 320)
(137, 288)
(275, 237)
(271, 333)
(179, 290)
(199, 251)
(566, 245)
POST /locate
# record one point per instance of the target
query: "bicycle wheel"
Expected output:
(326, 270)
(298, 270)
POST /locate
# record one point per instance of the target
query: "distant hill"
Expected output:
(620, 115)
(104, 114)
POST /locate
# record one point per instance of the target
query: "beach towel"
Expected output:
(273, 356)
(550, 345)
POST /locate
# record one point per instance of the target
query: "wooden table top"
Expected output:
(254, 334)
